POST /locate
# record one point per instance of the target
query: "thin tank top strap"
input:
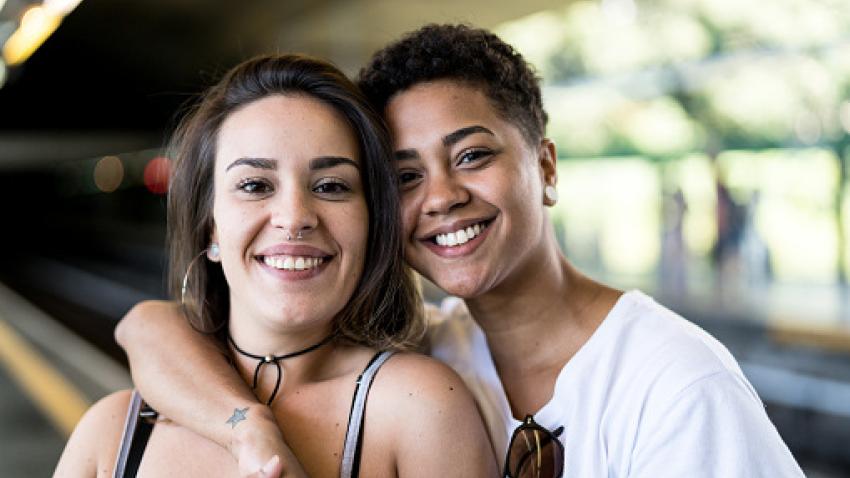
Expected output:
(350, 467)
(137, 429)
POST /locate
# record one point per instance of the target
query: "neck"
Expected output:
(536, 319)
(306, 367)
(521, 314)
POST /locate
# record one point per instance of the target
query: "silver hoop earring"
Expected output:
(551, 193)
(214, 251)
(185, 284)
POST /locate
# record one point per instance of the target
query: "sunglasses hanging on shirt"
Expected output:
(534, 452)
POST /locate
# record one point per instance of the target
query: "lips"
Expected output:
(297, 250)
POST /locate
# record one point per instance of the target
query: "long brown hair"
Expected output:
(385, 309)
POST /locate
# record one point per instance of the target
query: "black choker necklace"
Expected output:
(262, 360)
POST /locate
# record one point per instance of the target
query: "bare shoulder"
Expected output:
(420, 402)
(418, 392)
(93, 446)
(410, 376)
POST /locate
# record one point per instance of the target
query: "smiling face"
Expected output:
(287, 166)
(472, 188)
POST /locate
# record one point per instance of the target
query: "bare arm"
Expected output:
(184, 375)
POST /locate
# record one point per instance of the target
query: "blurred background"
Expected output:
(704, 148)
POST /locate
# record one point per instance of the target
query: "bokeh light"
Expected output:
(37, 24)
(844, 116)
(156, 175)
(679, 102)
(108, 173)
(61, 7)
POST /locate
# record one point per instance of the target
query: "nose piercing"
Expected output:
(289, 235)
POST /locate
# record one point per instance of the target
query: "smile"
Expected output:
(461, 236)
(293, 263)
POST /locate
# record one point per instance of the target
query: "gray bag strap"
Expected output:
(137, 429)
(129, 430)
(351, 450)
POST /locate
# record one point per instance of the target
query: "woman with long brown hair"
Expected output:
(285, 248)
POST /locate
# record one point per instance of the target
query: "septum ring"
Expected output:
(289, 235)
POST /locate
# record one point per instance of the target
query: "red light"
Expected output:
(156, 175)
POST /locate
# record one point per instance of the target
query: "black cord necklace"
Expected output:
(265, 359)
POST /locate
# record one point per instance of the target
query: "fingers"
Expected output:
(272, 469)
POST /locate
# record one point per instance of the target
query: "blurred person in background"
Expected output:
(574, 378)
(285, 247)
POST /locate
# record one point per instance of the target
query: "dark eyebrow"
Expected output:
(325, 162)
(448, 140)
(405, 154)
(452, 138)
(322, 162)
(259, 163)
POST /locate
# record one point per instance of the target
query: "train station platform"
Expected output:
(48, 378)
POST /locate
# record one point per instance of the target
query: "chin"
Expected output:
(464, 287)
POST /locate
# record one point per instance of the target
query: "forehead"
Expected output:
(427, 111)
(286, 127)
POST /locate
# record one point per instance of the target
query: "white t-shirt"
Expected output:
(649, 395)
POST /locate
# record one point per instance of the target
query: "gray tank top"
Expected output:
(141, 420)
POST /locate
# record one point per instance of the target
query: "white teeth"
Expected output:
(290, 263)
(461, 236)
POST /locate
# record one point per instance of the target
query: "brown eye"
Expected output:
(472, 156)
(332, 187)
(405, 177)
(254, 186)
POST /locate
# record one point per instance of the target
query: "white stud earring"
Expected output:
(551, 193)
(214, 252)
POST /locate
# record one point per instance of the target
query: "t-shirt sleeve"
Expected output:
(715, 427)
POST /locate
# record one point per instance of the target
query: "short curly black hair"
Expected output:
(459, 52)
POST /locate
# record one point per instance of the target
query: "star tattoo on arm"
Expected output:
(238, 416)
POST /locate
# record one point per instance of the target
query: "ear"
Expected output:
(547, 158)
